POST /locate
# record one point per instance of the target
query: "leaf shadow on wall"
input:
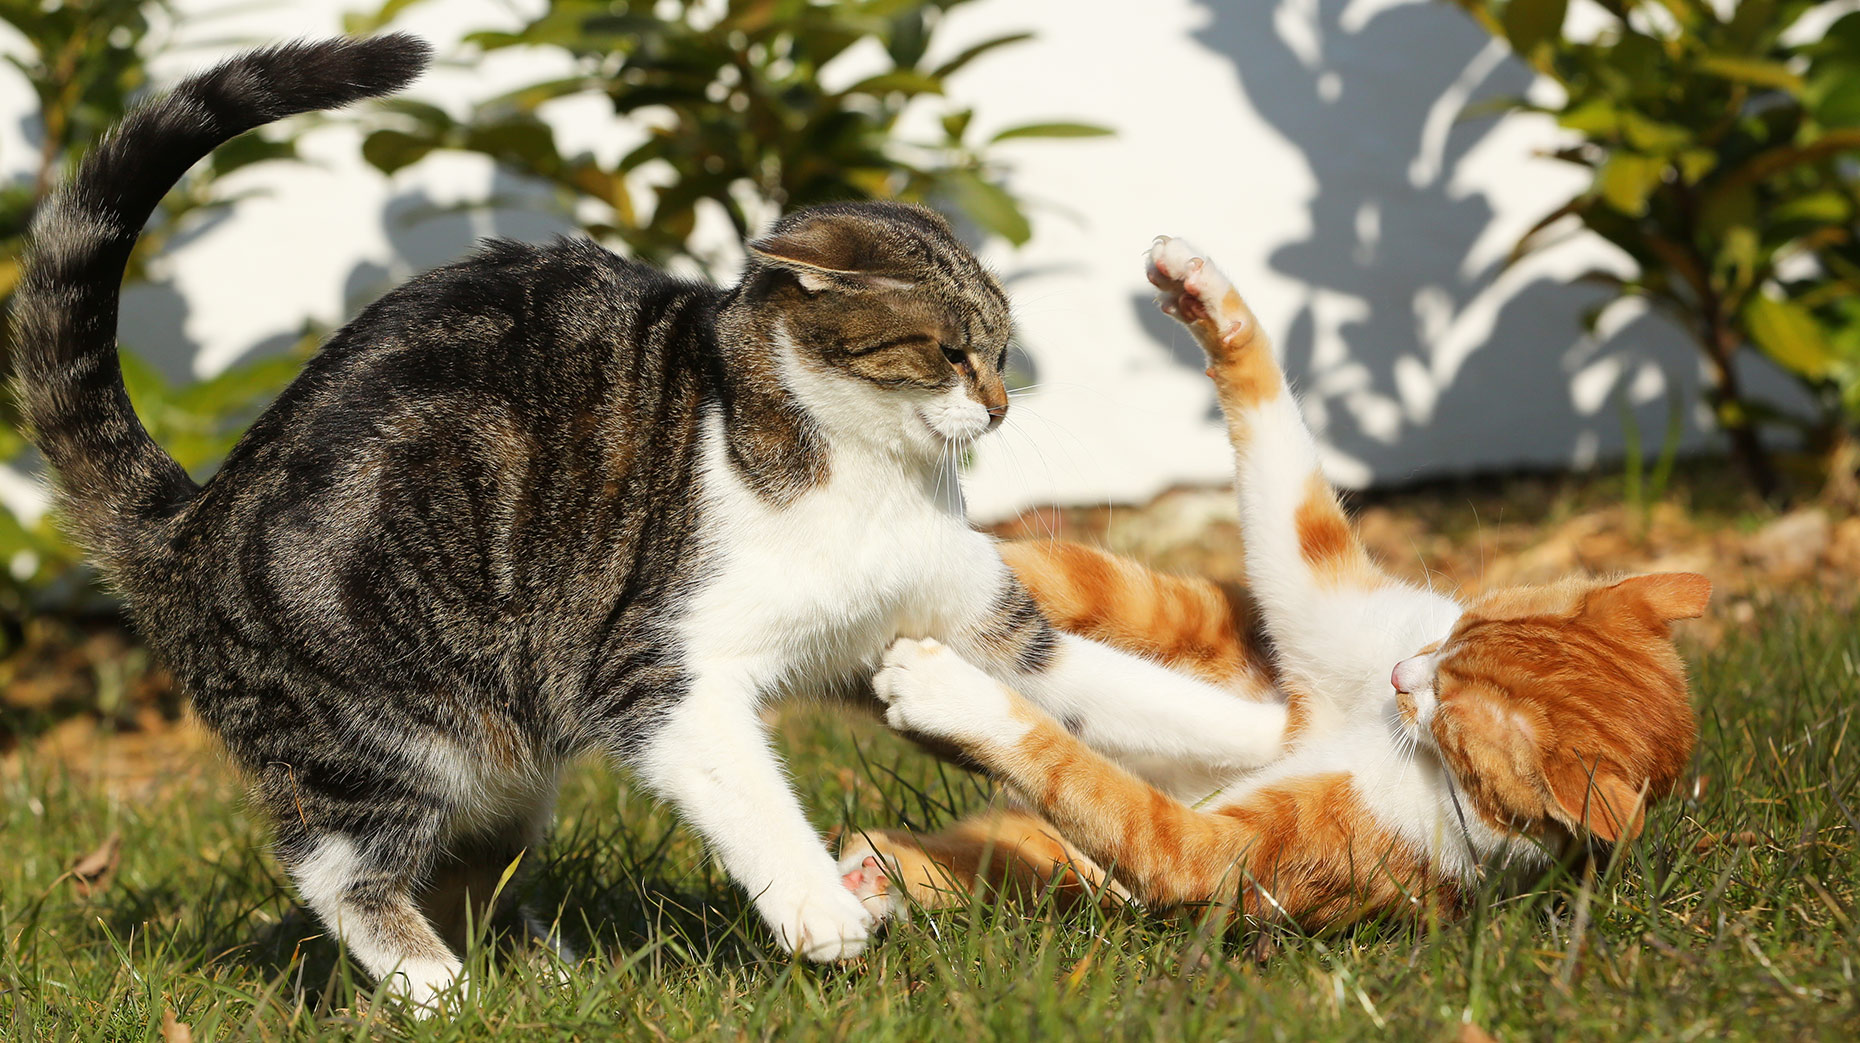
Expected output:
(422, 233)
(1375, 103)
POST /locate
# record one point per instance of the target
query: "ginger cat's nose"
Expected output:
(1412, 674)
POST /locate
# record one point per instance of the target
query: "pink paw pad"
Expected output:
(867, 880)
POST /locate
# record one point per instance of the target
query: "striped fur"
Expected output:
(113, 481)
(544, 502)
(1507, 728)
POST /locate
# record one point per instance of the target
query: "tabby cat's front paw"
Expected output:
(930, 690)
(1193, 290)
(823, 925)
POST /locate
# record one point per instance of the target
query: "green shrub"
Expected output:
(751, 128)
(1721, 152)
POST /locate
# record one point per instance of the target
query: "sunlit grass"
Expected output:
(1734, 916)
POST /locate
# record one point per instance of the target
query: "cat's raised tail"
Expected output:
(111, 479)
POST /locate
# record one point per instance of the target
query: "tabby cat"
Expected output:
(1427, 738)
(547, 501)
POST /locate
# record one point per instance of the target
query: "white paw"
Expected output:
(427, 986)
(1192, 289)
(870, 876)
(928, 689)
(823, 925)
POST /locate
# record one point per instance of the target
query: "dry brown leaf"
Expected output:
(174, 1030)
(1742, 838)
(1262, 947)
(92, 873)
(1471, 1033)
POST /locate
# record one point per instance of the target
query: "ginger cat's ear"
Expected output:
(1666, 596)
(833, 251)
(1602, 804)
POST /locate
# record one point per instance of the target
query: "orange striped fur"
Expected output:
(1305, 850)
(1538, 714)
(1193, 624)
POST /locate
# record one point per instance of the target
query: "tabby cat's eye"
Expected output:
(955, 356)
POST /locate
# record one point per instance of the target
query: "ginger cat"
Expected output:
(1426, 738)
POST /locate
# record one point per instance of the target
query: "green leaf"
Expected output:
(1774, 161)
(390, 150)
(990, 206)
(1652, 136)
(1053, 130)
(356, 23)
(1819, 208)
(1751, 20)
(1626, 180)
(1726, 210)
(1528, 23)
(1597, 118)
(529, 144)
(956, 124)
(247, 149)
(970, 54)
(1752, 71)
(1833, 94)
(1789, 334)
(904, 81)
(1695, 164)
(530, 97)
(1734, 268)
(239, 388)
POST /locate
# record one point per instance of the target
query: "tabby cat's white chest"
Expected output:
(814, 590)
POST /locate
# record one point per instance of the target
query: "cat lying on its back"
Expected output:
(1426, 737)
(547, 501)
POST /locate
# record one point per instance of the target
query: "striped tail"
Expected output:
(112, 482)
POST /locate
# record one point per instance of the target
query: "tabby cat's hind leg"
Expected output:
(463, 893)
(361, 830)
(1010, 854)
(364, 888)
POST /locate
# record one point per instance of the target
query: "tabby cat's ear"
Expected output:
(834, 251)
(1602, 804)
(1665, 596)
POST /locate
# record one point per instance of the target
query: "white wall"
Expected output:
(1318, 149)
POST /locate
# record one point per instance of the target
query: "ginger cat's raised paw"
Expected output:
(1197, 294)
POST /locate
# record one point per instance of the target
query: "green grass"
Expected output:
(1678, 940)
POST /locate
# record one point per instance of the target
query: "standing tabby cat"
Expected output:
(547, 501)
(1507, 727)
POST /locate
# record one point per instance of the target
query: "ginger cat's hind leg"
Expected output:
(1011, 854)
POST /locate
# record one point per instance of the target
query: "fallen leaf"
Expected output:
(173, 1029)
(92, 873)
(1471, 1033)
(1262, 948)
(1742, 838)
